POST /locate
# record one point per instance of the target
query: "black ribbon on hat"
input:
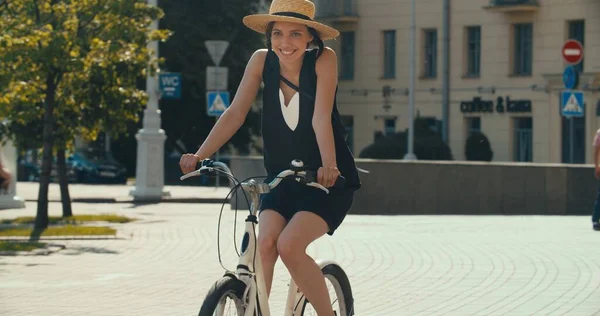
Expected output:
(293, 15)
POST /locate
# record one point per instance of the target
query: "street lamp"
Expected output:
(412, 73)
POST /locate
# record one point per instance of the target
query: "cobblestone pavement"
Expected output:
(165, 263)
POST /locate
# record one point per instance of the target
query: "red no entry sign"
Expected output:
(572, 52)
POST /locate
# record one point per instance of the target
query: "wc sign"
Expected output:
(170, 85)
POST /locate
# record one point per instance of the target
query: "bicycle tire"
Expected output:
(335, 273)
(227, 286)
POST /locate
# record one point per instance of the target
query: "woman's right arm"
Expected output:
(233, 117)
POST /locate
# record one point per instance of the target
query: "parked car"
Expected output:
(30, 171)
(96, 166)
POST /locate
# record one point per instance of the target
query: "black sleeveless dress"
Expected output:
(282, 144)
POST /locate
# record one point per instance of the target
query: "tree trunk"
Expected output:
(64, 182)
(41, 219)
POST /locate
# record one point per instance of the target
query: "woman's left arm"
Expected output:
(326, 69)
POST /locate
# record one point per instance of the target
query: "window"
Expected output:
(473, 125)
(348, 122)
(348, 7)
(430, 67)
(523, 139)
(389, 57)
(473, 51)
(523, 46)
(390, 127)
(347, 54)
(576, 32)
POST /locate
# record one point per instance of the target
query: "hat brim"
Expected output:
(259, 23)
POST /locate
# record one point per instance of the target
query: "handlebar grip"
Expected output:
(197, 172)
(311, 176)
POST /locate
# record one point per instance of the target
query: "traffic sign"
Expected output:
(570, 77)
(216, 102)
(216, 49)
(170, 85)
(572, 51)
(216, 78)
(572, 103)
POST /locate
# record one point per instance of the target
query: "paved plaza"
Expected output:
(164, 263)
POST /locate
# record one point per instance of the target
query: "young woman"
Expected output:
(295, 125)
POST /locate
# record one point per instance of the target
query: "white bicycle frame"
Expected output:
(250, 259)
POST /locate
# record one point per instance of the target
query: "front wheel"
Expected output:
(224, 298)
(342, 301)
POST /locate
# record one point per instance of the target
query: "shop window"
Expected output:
(390, 126)
(523, 139)
(473, 125)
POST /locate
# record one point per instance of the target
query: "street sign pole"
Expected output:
(216, 49)
(572, 140)
(572, 53)
(217, 156)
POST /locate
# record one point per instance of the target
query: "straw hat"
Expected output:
(295, 11)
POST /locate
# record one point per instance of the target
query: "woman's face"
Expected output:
(289, 40)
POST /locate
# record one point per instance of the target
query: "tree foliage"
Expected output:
(193, 23)
(478, 148)
(72, 68)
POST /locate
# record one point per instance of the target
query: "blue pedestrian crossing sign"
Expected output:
(572, 103)
(169, 84)
(216, 102)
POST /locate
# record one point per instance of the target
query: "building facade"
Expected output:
(505, 72)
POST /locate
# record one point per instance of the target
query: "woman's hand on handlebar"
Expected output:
(326, 176)
(188, 162)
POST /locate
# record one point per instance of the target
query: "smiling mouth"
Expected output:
(287, 52)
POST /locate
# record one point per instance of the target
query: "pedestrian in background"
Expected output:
(596, 213)
(5, 176)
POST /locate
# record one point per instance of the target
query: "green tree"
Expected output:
(478, 148)
(71, 68)
(428, 145)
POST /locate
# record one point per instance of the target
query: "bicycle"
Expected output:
(246, 286)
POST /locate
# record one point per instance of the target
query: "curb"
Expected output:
(50, 238)
(133, 201)
(49, 249)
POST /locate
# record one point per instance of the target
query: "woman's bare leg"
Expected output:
(270, 226)
(303, 229)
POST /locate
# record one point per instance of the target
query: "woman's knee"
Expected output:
(289, 249)
(270, 227)
(267, 245)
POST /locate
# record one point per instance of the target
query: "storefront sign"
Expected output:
(477, 105)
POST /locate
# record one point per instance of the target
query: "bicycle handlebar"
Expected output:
(297, 170)
(207, 167)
